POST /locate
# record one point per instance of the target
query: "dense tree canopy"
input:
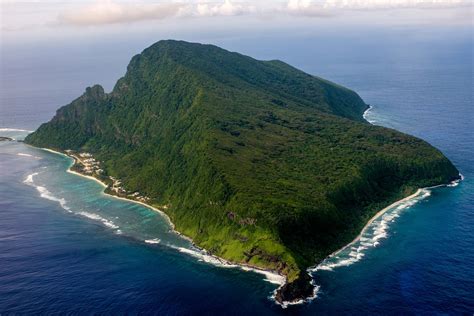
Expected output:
(259, 162)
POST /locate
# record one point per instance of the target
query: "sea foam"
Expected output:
(44, 193)
(27, 155)
(285, 304)
(14, 130)
(96, 217)
(367, 115)
(455, 183)
(29, 178)
(371, 235)
(153, 241)
(202, 256)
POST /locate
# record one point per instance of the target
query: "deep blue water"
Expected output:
(66, 247)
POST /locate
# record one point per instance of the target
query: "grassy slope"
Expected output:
(260, 162)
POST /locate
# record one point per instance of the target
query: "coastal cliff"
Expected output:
(258, 162)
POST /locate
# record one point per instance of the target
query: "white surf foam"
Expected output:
(27, 155)
(204, 257)
(269, 276)
(366, 115)
(371, 236)
(44, 193)
(14, 130)
(29, 178)
(153, 241)
(455, 183)
(298, 302)
(96, 217)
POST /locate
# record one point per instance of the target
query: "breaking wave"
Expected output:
(371, 235)
(96, 217)
(27, 155)
(456, 182)
(153, 241)
(29, 178)
(204, 257)
(367, 115)
(14, 130)
(44, 193)
(298, 302)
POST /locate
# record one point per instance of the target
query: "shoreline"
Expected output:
(364, 115)
(380, 213)
(270, 276)
(375, 217)
(372, 219)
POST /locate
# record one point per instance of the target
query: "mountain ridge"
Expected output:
(260, 163)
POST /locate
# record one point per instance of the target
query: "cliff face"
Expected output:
(260, 163)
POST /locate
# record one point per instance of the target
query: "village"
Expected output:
(89, 166)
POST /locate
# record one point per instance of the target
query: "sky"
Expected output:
(51, 50)
(52, 20)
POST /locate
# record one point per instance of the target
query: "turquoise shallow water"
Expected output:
(65, 246)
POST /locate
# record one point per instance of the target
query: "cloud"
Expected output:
(109, 12)
(224, 9)
(102, 12)
(322, 8)
(394, 4)
(307, 8)
(113, 12)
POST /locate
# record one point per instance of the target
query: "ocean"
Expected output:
(67, 247)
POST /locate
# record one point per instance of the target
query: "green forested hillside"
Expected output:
(259, 162)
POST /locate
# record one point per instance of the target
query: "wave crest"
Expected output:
(96, 217)
(44, 193)
(371, 235)
(153, 241)
(5, 129)
(205, 257)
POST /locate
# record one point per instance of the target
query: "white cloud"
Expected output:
(110, 12)
(299, 4)
(227, 8)
(103, 12)
(416, 11)
(393, 4)
(307, 8)
(333, 7)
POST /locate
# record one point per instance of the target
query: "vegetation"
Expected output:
(259, 163)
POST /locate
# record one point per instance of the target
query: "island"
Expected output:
(5, 139)
(257, 162)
